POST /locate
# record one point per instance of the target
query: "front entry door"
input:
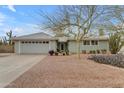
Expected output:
(62, 46)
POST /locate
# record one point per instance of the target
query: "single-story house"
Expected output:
(41, 43)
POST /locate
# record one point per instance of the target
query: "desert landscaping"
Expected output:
(70, 72)
(73, 46)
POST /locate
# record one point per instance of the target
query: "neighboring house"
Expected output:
(41, 43)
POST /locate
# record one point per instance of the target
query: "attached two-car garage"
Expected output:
(32, 47)
(37, 43)
(35, 47)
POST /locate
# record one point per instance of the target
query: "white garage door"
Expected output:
(37, 47)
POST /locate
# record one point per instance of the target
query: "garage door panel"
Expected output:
(35, 48)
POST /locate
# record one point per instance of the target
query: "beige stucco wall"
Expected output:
(16, 47)
(53, 45)
(102, 45)
(72, 46)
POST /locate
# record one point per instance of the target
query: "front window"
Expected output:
(94, 42)
(86, 42)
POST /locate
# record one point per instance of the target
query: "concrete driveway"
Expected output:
(12, 66)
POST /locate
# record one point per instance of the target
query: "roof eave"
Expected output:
(21, 39)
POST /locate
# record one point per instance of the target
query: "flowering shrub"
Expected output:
(51, 52)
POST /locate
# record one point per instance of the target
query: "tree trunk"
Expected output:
(78, 49)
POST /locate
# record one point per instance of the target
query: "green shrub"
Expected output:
(115, 43)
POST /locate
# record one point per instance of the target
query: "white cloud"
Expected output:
(12, 8)
(1, 23)
(6, 20)
(2, 19)
(25, 29)
(16, 31)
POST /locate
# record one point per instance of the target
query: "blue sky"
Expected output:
(21, 19)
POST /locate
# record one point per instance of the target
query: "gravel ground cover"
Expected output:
(69, 72)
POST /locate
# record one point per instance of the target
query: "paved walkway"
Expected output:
(68, 71)
(12, 66)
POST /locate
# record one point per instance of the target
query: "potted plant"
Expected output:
(56, 53)
(51, 52)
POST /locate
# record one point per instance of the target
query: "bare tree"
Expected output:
(76, 21)
(101, 32)
(1, 41)
(115, 21)
(9, 35)
(4, 40)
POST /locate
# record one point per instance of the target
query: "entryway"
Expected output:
(62, 47)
